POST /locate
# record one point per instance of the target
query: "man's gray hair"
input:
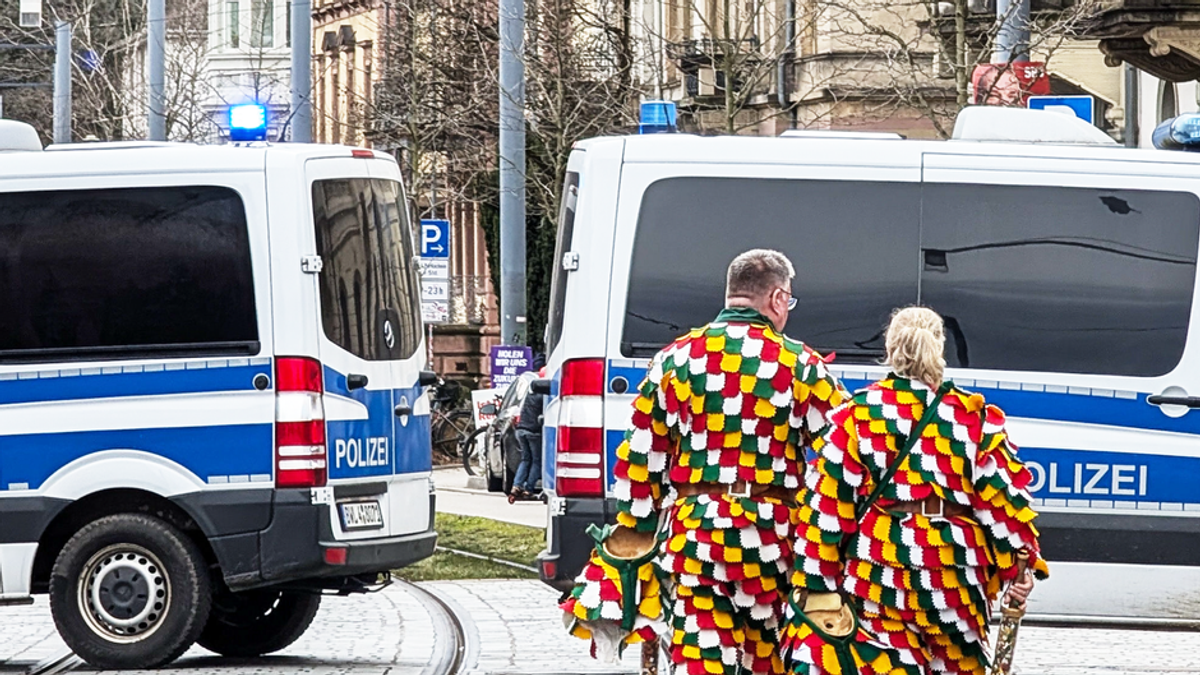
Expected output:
(757, 272)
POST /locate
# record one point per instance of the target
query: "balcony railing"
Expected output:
(706, 49)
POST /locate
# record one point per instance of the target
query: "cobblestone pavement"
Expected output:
(513, 628)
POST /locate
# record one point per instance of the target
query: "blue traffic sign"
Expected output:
(1082, 107)
(435, 239)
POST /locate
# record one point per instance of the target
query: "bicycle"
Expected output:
(449, 425)
(473, 450)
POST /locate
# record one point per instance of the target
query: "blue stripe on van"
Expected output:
(354, 445)
(549, 448)
(634, 377)
(232, 450)
(1113, 479)
(612, 441)
(1133, 413)
(73, 384)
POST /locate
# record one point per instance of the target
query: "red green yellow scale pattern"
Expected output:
(924, 583)
(731, 401)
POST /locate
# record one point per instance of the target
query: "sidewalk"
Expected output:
(456, 495)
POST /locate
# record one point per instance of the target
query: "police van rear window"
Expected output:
(87, 274)
(1033, 278)
(369, 293)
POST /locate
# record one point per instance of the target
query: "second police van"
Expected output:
(211, 402)
(1065, 268)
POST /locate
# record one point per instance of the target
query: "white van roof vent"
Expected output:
(1018, 125)
(18, 136)
(839, 133)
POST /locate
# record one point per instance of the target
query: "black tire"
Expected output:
(474, 454)
(129, 592)
(258, 622)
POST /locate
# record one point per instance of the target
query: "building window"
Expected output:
(231, 8)
(1168, 106)
(262, 23)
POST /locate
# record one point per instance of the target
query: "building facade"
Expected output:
(249, 61)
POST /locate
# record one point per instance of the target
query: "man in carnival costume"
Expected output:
(706, 481)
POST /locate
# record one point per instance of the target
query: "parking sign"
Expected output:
(435, 239)
(1082, 107)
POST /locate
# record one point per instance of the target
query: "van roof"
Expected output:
(812, 149)
(108, 159)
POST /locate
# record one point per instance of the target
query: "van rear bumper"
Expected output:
(294, 546)
(569, 545)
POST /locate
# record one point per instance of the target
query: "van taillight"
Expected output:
(579, 451)
(300, 456)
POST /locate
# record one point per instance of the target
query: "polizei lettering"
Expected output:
(1088, 478)
(357, 453)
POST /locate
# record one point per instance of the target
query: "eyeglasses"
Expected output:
(792, 301)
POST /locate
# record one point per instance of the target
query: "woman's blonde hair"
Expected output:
(916, 338)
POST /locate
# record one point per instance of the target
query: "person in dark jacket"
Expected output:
(529, 439)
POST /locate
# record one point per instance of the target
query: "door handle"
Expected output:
(403, 410)
(355, 381)
(1186, 401)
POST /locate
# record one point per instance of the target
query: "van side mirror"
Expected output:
(540, 386)
(427, 378)
(488, 409)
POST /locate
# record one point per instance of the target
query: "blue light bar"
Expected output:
(248, 122)
(1178, 133)
(658, 117)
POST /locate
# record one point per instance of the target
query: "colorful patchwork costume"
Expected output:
(924, 583)
(729, 405)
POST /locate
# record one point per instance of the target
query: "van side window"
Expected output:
(853, 243)
(1060, 279)
(161, 271)
(369, 304)
(558, 277)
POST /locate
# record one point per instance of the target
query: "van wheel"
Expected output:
(258, 622)
(129, 592)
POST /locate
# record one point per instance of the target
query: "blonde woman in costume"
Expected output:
(931, 555)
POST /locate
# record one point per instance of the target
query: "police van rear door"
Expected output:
(368, 324)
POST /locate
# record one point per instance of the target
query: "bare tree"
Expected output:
(875, 59)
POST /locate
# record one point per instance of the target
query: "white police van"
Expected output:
(1065, 268)
(211, 402)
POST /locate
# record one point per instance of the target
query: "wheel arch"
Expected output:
(110, 502)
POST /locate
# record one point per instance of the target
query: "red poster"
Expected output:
(1009, 84)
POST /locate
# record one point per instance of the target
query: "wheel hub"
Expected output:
(124, 593)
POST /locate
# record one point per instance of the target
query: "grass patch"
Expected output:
(505, 541)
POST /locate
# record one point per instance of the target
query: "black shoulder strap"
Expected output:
(913, 437)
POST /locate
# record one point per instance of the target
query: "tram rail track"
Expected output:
(455, 648)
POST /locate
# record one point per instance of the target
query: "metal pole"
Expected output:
(1012, 39)
(1132, 105)
(62, 82)
(660, 50)
(156, 28)
(512, 172)
(302, 71)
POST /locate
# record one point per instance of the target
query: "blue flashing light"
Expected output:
(658, 117)
(1178, 133)
(248, 122)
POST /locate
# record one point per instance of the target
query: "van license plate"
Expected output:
(361, 515)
